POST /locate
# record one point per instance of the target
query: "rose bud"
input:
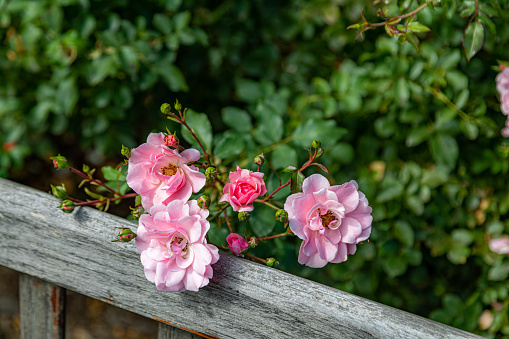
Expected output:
(236, 243)
(316, 144)
(253, 242)
(125, 235)
(67, 206)
(59, 192)
(243, 216)
(204, 201)
(126, 152)
(60, 162)
(259, 159)
(282, 215)
(211, 173)
(171, 141)
(165, 108)
(271, 262)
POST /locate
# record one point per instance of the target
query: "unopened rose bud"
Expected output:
(136, 212)
(177, 105)
(171, 141)
(211, 173)
(60, 162)
(282, 215)
(125, 235)
(126, 152)
(252, 242)
(59, 192)
(271, 262)
(244, 216)
(204, 201)
(259, 159)
(316, 144)
(67, 206)
(165, 108)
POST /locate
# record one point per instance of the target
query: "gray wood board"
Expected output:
(42, 309)
(243, 300)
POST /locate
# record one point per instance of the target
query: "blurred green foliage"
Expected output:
(419, 131)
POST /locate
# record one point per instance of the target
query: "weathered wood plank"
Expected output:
(42, 309)
(169, 332)
(244, 299)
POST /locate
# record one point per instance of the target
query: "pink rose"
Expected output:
(244, 187)
(500, 246)
(173, 247)
(160, 174)
(330, 219)
(236, 243)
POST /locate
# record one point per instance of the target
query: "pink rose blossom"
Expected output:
(160, 174)
(330, 219)
(500, 246)
(236, 243)
(244, 187)
(173, 247)
(502, 81)
(170, 140)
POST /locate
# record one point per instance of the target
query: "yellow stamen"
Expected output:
(169, 170)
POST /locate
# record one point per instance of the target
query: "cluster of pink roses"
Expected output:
(331, 220)
(502, 81)
(171, 238)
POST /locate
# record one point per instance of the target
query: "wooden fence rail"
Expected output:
(243, 300)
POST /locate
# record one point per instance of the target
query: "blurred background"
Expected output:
(418, 130)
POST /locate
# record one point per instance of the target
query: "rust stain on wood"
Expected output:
(36, 283)
(186, 329)
(55, 307)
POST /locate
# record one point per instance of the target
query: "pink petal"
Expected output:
(350, 229)
(314, 183)
(191, 154)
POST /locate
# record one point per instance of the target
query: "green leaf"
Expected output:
(322, 86)
(248, 90)
(390, 192)
(436, 177)
(229, 146)
(289, 169)
(417, 27)
(262, 220)
(237, 119)
(395, 266)
(417, 135)
(313, 129)
(112, 174)
(404, 232)
(473, 39)
(182, 20)
(200, 124)
(297, 181)
(499, 273)
(413, 39)
(174, 78)
(470, 129)
(270, 126)
(162, 23)
(283, 156)
(444, 149)
(462, 237)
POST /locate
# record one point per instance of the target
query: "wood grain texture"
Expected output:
(42, 309)
(169, 332)
(243, 300)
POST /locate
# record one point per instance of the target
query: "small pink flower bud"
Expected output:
(252, 242)
(67, 206)
(136, 212)
(60, 162)
(171, 141)
(271, 262)
(204, 201)
(125, 235)
(243, 216)
(259, 159)
(59, 192)
(237, 243)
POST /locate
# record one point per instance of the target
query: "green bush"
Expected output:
(418, 130)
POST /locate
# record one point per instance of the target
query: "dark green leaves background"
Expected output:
(419, 131)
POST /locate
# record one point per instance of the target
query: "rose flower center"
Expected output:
(169, 170)
(327, 218)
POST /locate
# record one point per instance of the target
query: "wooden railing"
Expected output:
(57, 251)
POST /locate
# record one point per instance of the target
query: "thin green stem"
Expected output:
(267, 203)
(284, 234)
